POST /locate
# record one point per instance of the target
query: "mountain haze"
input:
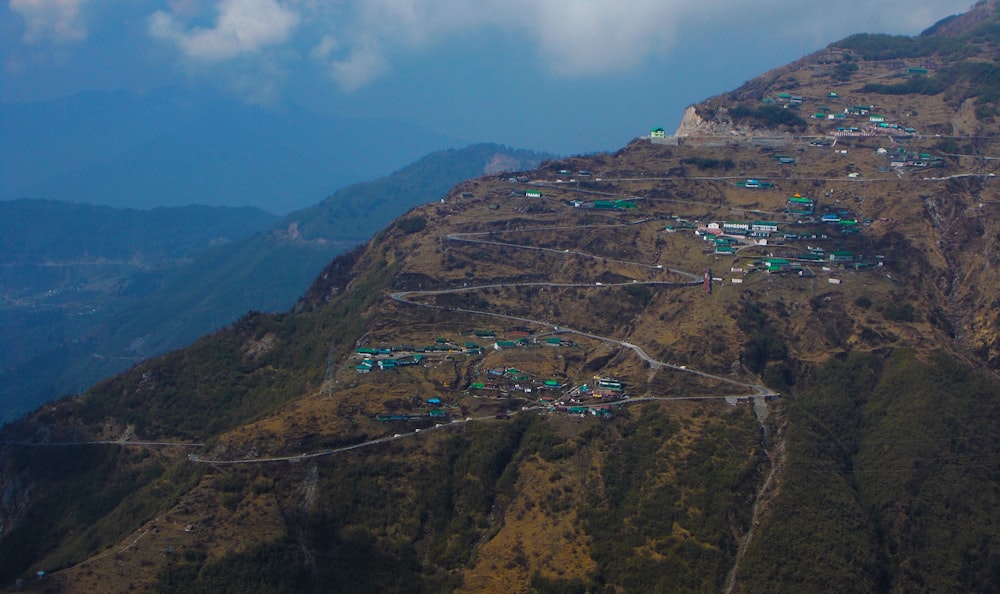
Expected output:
(759, 355)
(141, 283)
(176, 147)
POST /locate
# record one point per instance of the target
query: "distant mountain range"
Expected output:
(90, 290)
(173, 148)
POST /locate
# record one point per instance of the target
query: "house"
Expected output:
(841, 256)
(725, 250)
(553, 341)
(657, 133)
(830, 217)
(801, 205)
(504, 344)
(765, 226)
(876, 118)
(434, 401)
(533, 193)
(736, 227)
(609, 384)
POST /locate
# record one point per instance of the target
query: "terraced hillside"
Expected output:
(758, 356)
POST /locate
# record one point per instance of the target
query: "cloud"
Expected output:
(51, 20)
(593, 37)
(241, 27)
(358, 41)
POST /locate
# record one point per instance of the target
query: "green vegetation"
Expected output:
(87, 498)
(428, 515)
(703, 163)
(843, 71)
(412, 224)
(920, 85)
(889, 463)
(767, 116)
(962, 76)
(273, 568)
(656, 535)
(879, 46)
(764, 340)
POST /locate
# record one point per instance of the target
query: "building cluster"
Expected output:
(391, 357)
(901, 157)
(875, 124)
(506, 382)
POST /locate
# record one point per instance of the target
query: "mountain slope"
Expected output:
(149, 312)
(739, 360)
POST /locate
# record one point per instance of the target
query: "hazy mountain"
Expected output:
(66, 268)
(757, 356)
(172, 147)
(91, 291)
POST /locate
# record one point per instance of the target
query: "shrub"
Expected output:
(412, 224)
(768, 116)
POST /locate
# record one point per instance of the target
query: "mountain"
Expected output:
(173, 147)
(110, 287)
(66, 268)
(758, 355)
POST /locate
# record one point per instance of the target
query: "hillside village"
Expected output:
(757, 355)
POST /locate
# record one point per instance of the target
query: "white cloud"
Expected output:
(592, 37)
(241, 27)
(361, 66)
(52, 20)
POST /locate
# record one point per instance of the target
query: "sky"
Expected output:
(567, 76)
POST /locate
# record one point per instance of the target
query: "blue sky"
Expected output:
(558, 75)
